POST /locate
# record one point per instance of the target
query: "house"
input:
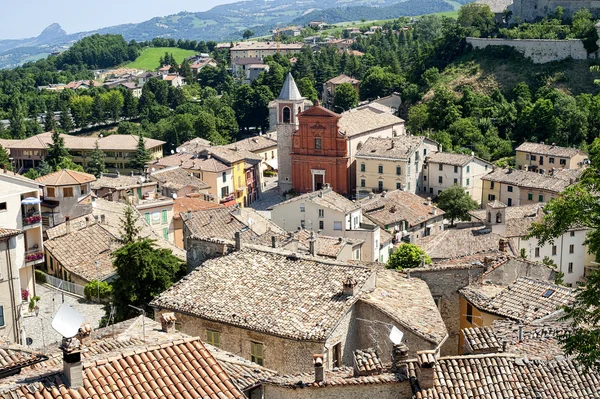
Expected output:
(542, 157)
(253, 71)
(569, 252)
(520, 187)
(278, 309)
(164, 70)
(443, 170)
(393, 102)
(82, 255)
(259, 50)
(394, 163)
(135, 89)
(332, 84)
(67, 194)
(200, 63)
(21, 249)
(183, 205)
(174, 182)
(241, 67)
(174, 80)
(81, 84)
(158, 213)
(343, 45)
(264, 146)
(333, 215)
(117, 187)
(317, 24)
(118, 149)
(292, 31)
(405, 215)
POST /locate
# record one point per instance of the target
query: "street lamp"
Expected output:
(98, 279)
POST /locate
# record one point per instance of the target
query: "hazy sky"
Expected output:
(29, 18)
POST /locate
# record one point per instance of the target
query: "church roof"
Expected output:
(290, 90)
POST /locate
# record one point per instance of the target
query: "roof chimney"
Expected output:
(371, 195)
(312, 245)
(319, 371)
(273, 242)
(167, 322)
(102, 219)
(399, 359)
(425, 371)
(503, 245)
(68, 224)
(72, 367)
(87, 221)
(189, 215)
(429, 201)
(350, 286)
(238, 241)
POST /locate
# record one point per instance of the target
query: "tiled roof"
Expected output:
(397, 206)
(14, 358)
(522, 178)
(338, 80)
(113, 142)
(5, 233)
(267, 291)
(326, 198)
(218, 223)
(525, 300)
(23, 179)
(230, 154)
(509, 377)
(367, 361)
(481, 340)
(185, 204)
(123, 142)
(120, 182)
(194, 145)
(549, 150)
(458, 242)
(408, 302)
(339, 377)
(391, 147)
(495, 257)
(265, 46)
(365, 119)
(78, 251)
(256, 143)
(176, 178)
(193, 162)
(326, 246)
(66, 177)
(518, 219)
(183, 368)
(447, 158)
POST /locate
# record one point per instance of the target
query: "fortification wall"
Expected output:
(529, 10)
(538, 50)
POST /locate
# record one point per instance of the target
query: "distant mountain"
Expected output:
(222, 23)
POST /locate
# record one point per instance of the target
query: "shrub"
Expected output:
(91, 290)
(40, 277)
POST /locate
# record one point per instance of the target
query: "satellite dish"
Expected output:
(29, 341)
(396, 336)
(67, 321)
(172, 152)
(154, 169)
(177, 149)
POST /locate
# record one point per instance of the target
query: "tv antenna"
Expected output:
(67, 321)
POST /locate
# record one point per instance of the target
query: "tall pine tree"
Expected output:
(96, 165)
(66, 122)
(49, 122)
(142, 155)
(56, 151)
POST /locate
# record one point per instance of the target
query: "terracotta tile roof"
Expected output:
(218, 223)
(459, 242)
(447, 158)
(120, 182)
(194, 145)
(191, 204)
(230, 155)
(367, 361)
(365, 119)
(193, 162)
(481, 340)
(402, 147)
(326, 198)
(408, 302)
(397, 206)
(338, 80)
(113, 142)
(265, 46)
(518, 219)
(14, 357)
(525, 300)
(125, 142)
(327, 246)
(267, 291)
(342, 376)
(509, 377)
(6, 143)
(14, 176)
(549, 150)
(182, 368)
(5, 233)
(176, 178)
(78, 251)
(255, 144)
(66, 177)
(526, 179)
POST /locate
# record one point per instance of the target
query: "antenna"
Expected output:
(396, 336)
(67, 321)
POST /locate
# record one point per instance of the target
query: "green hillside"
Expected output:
(150, 57)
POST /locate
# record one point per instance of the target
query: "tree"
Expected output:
(17, 121)
(142, 155)
(4, 158)
(457, 203)
(49, 122)
(247, 34)
(56, 151)
(307, 88)
(129, 230)
(96, 165)
(144, 272)
(130, 105)
(113, 101)
(408, 256)
(345, 97)
(477, 16)
(98, 111)
(81, 108)
(66, 123)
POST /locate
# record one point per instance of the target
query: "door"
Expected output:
(318, 182)
(336, 360)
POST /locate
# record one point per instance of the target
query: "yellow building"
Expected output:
(543, 158)
(234, 158)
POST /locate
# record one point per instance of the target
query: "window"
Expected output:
(67, 192)
(50, 192)
(336, 358)
(1, 316)
(166, 233)
(398, 186)
(570, 269)
(563, 161)
(321, 225)
(455, 181)
(530, 197)
(468, 181)
(541, 198)
(441, 167)
(455, 169)
(321, 213)
(363, 167)
(533, 157)
(224, 192)
(356, 223)
(492, 185)
(571, 249)
(469, 313)
(380, 169)
(357, 254)
(83, 188)
(156, 217)
(491, 197)
(165, 218)
(485, 168)
(302, 208)
(527, 157)
(380, 185)
(509, 189)
(317, 143)
(213, 338)
(303, 223)
(424, 178)
(468, 169)
(537, 252)
(257, 353)
(363, 183)
(273, 154)
(147, 217)
(430, 190)
(3, 206)
(398, 170)
(224, 177)
(548, 293)
(572, 233)
(408, 186)
(424, 151)
(554, 250)
(550, 160)
(287, 115)
(509, 202)
(337, 225)
(440, 179)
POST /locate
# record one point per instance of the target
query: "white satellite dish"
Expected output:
(172, 152)
(396, 336)
(67, 321)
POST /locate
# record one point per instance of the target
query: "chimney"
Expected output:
(72, 367)
(312, 245)
(68, 224)
(167, 322)
(371, 195)
(399, 359)
(503, 245)
(210, 219)
(273, 242)
(429, 201)
(87, 221)
(520, 333)
(350, 287)
(383, 193)
(102, 219)
(425, 372)
(85, 333)
(319, 371)
(238, 241)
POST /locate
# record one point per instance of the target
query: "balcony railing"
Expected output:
(31, 219)
(34, 255)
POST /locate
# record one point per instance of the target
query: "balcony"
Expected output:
(32, 219)
(34, 255)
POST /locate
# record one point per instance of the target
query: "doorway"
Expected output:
(318, 182)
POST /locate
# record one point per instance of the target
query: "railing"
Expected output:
(34, 255)
(32, 219)
(64, 285)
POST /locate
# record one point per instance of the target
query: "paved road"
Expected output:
(39, 328)
(268, 198)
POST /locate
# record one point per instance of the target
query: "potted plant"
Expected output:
(25, 295)
(32, 303)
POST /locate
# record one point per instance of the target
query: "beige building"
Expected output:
(117, 187)
(543, 158)
(158, 213)
(241, 50)
(519, 187)
(392, 164)
(331, 85)
(264, 146)
(174, 182)
(443, 170)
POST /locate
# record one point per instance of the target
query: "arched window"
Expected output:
(299, 110)
(287, 115)
(498, 217)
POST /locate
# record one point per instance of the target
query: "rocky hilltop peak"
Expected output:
(52, 32)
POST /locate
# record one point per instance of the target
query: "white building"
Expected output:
(21, 248)
(333, 215)
(444, 170)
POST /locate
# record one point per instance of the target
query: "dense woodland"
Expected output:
(405, 57)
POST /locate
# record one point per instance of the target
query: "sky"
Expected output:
(29, 18)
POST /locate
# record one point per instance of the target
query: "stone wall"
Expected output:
(529, 10)
(198, 251)
(538, 50)
(380, 391)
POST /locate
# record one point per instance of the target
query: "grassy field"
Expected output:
(149, 59)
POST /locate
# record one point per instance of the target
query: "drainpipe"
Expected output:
(11, 288)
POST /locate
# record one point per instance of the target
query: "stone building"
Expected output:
(278, 309)
(332, 84)
(117, 187)
(530, 10)
(543, 158)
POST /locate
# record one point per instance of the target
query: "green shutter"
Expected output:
(147, 216)
(164, 216)
(166, 233)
